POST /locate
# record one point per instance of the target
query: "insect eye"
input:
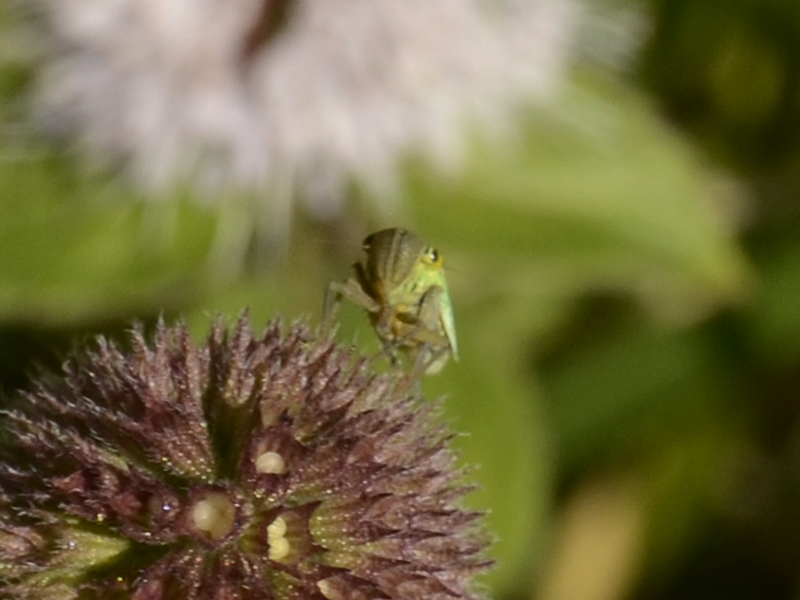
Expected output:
(433, 255)
(367, 243)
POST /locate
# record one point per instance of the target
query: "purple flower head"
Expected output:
(272, 467)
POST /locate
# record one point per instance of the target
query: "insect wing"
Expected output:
(448, 320)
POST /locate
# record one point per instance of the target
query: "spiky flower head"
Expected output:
(270, 467)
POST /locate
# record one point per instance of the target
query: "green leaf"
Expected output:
(601, 194)
(78, 250)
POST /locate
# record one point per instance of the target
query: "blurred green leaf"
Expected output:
(74, 250)
(601, 194)
(620, 391)
(773, 319)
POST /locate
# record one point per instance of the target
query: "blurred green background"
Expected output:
(626, 281)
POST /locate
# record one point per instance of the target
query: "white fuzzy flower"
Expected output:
(292, 98)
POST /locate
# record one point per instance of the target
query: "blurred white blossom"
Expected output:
(612, 34)
(292, 98)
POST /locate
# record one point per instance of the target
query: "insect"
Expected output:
(402, 287)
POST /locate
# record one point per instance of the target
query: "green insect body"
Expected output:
(401, 285)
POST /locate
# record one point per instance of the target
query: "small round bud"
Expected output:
(215, 515)
(270, 462)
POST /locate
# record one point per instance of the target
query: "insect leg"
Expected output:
(349, 289)
(422, 333)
